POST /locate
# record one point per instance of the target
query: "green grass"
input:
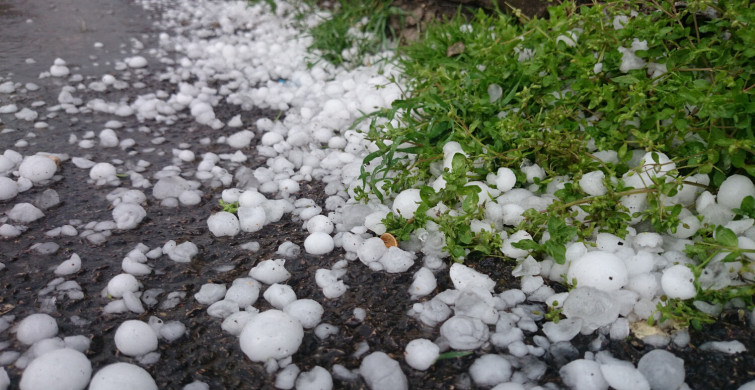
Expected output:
(556, 111)
(355, 30)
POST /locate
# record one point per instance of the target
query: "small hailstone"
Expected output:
(251, 219)
(490, 370)
(103, 173)
(240, 139)
(319, 243)
(583, 374)
(307, 311)
(678, 281)
(420, 354)
(122, 376)
(406, 203)
(121, 283)
(8, 188)
(316, 379)
(59, 68)
(734, 189)
(424, 283)
(25, 213)
(271, 334)
(464, 278)
(624, 377)
(279, 295)
(37, 168)
(70, 266)
(223, 223)
(662, 369)
(508, 248)
(234, 323)
(243, 291)
(135, 338)
(36, 327)
(270, 271)
(128, 215)
(592, 183)
(320, 223)
(381, 372)
(464, 332)
(108, 138)
(136, 62)
(210, 293)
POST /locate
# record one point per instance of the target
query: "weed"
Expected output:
(559, 94)
(231, 207)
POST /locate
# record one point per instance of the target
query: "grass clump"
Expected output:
(655, 98)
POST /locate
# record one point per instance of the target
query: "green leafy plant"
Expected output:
(231, 207)
(513, 92)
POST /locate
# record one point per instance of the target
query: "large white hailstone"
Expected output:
(122, 376)
(406, 203)
(592, 183)
(307, 311)
(602, 270)
(319, 243)
(234, 323)
(508, 248)
(464, 332)
(317, 378)
(687, 227)
(25, 213)
(62, 369)
(533, 172)
(650, 168)
(223, 223)
(678, 281)
(37, 168)
(128, 215)
(270, 271)
(583, 374)
(103, 173)
(490, 370)
(465, 278)
(420, 354)
(396, 260)
(70, 266)
(251, 198)
(320, 223)
(734, 189)
(279, 295)
(271, 334)
(240, 139)
(624, 377)
(8, 188)
(252, 219)
(380, 372)
(36, 327)
(122, 283)
(135, 338)
(662, 369)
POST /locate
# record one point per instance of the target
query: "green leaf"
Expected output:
(526, 245)
(625, 80)
(556, 250)
(726, 237)
(459, 163)
(453, 355)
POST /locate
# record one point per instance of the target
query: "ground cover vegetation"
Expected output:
(653, 98)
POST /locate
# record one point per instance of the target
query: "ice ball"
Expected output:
(8, 188)
(678, 281)
(223, 223)
(734, 189)
(319, 243)
(122, 376)
(36, 327)
(420, 354)
(272, 334)
(662, 369)
(135, 338)
(61, 369)
(598, 269)
(37, 168)
(406, 203)
(490, 370)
